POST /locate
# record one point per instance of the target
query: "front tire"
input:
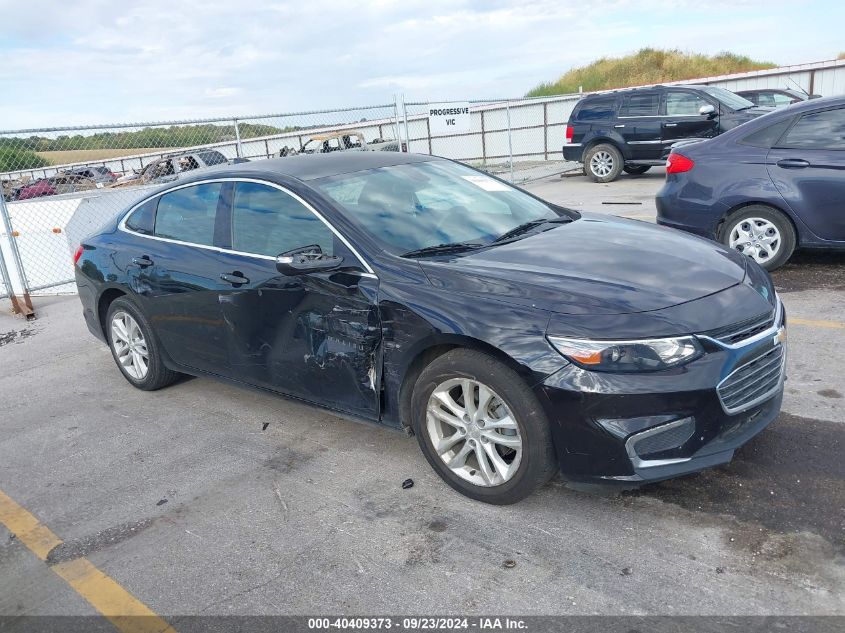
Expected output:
(603, 163)
(761, 232)
(481, 428)
(135, 348)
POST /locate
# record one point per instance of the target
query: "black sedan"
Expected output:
(513, 337)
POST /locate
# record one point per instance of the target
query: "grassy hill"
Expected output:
(646, 66)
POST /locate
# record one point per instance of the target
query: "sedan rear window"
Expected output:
(818, 130)
(189, 214)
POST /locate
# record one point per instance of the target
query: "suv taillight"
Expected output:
(678, 163)
(569, 133)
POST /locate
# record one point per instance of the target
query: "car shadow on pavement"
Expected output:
(790, 478)
(812, 270)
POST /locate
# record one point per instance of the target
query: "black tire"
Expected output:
(157, 374)
(636, 170)
(783, 225)
(608, 164)
(538, 462)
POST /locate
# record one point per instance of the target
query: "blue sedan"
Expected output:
(766, 187)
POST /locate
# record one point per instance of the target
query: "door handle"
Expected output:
(793, 163)
(143, 261)
(620, 125)
(235, 278)
(670, 125)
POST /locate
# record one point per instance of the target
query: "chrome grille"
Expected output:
(752, 382)
(732, 334)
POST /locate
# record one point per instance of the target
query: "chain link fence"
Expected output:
(59, 185)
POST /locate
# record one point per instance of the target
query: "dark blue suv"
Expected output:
(765, 187)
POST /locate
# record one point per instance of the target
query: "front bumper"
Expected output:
(637, 428)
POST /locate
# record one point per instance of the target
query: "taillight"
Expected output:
(569, 133)
(678, 163)
(77, 255)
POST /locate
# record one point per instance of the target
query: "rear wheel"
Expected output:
(762, 233)
(636, 170)
(135, 348)
(603, 163)
(481, 428)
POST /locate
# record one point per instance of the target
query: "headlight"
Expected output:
(628, 356)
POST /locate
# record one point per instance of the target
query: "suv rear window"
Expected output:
(599, 109)
(212, 158)
(641, 104)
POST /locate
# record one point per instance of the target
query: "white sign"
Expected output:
(449, 118)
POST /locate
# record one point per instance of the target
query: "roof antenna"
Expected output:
(797, 85)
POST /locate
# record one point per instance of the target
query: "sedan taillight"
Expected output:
(77, 255)
(678, 163)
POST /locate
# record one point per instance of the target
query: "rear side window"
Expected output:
(768, 136)
(212, 158)
(189, 214)
(817, 130)
(641, 104)
(142, 219)
(267, 221)
(600, 109)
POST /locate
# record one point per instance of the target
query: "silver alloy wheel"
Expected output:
(601, 163)
(474, 432)
(130, 346)
(756, 237)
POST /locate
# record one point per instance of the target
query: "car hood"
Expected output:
(595, 265)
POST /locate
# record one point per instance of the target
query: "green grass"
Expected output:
(646, 66)
(841, 56)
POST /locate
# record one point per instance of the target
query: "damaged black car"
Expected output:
(513, 337)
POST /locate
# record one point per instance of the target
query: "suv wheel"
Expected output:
(603, 163)
(481, 428)
(636, 170)
(763, 233)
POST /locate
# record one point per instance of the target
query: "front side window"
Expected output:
(680, 103)
(818, 130)
(416, 205)
(267, 221)
(189, 214)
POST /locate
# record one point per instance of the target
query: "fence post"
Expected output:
(407, 133)
(4, 275)
(238, 149)
(483, 141)
(510, 141)
(545, 130)
(26, 308)
(396, 119)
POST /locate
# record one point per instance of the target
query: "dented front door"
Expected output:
(314, 336)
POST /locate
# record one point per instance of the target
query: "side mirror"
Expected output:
(308, 259)
(707, 110)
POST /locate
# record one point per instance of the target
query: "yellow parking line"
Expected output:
(105, 594)
(833, 325)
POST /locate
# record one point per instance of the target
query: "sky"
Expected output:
(102, 61)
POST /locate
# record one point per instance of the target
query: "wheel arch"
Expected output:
(104, 301)
(434, 348)
(761, 203)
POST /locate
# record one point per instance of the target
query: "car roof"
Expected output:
(312, 166)
(814, 104)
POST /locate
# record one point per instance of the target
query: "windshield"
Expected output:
(733, 101)
(417, 205)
